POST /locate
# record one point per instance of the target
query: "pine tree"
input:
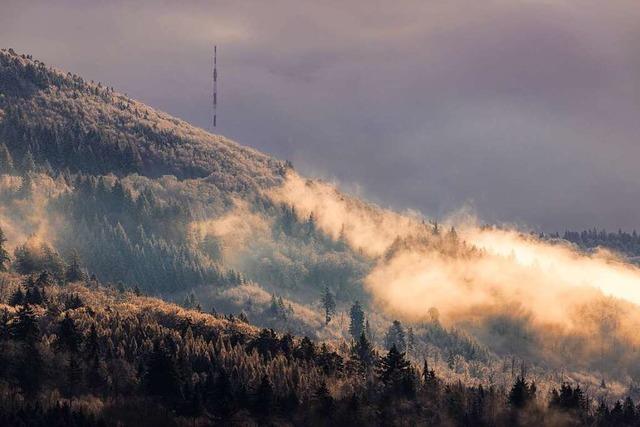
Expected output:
(25, 326)
(263, 397)
(34, 296)
(330, 362)
(74, 272)
(17, 298)
(6, 161)
(329, 304)
(69, 338)
(356, 327)
(324, 400)
(429, 379)
(44, 279)
(395, 337)
(5, 326)
(362, 356)
(282, 310)
(30, 370)
(522, 392)
(4, 254)
(306, 350)
(161, 377)
(411, 342)
(92, 345)
(73, 376)
(395, 372)
(28, 163)
(451, 360)
(26, 187)
(219, 393)
(628, 411)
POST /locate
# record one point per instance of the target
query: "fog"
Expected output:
(514, 291)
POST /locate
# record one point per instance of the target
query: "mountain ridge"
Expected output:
(39, 102)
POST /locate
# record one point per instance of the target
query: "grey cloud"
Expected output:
(526, 110)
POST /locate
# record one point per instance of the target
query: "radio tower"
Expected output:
(215, 84)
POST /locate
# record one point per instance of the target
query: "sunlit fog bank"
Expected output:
(494, 281)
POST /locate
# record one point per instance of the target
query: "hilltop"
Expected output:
(83, 126)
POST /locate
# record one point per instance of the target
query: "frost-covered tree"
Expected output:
(6, 160)
(395, 336)
(329, 305)
(4, 254)
(356, 326)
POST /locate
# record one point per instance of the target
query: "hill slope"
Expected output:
(149, 200)
(82, 126)
(84, 354)
(91, 178)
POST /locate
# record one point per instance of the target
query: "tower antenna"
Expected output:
(215, 84)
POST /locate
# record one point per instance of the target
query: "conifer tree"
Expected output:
(356, 327)
(69, 338)
(411, 342)
(429, 379)
(74, 272)
(362, 354)
(219, 393)
(329, 305)
(6, 161)
(30, 369)
(34, 296)
(161, 377)
(28, 163)
(263, 397)
(4, 254)
(324, 400)
(5, 326)
(17, 298)
(73, 376)
(522, 392)
(26, 189)
(92, 345)
(368, 331)
(395, 337)
(306, 350)
(25, 325)
(395, 372)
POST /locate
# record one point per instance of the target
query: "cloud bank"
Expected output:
(516, 292)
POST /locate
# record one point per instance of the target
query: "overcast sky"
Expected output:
(526, 111)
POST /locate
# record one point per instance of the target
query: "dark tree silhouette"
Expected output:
(161, 376)
(395, 336)
(356, 327)
(69, 338)
(74, 272)
(4, 255)
(25, 325)
(329, 305)
(522, 392)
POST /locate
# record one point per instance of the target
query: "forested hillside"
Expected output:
(103, 200)
(625, 243)
(76, 353)
(142, 197)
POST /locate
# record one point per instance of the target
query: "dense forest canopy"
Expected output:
(77, 353)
